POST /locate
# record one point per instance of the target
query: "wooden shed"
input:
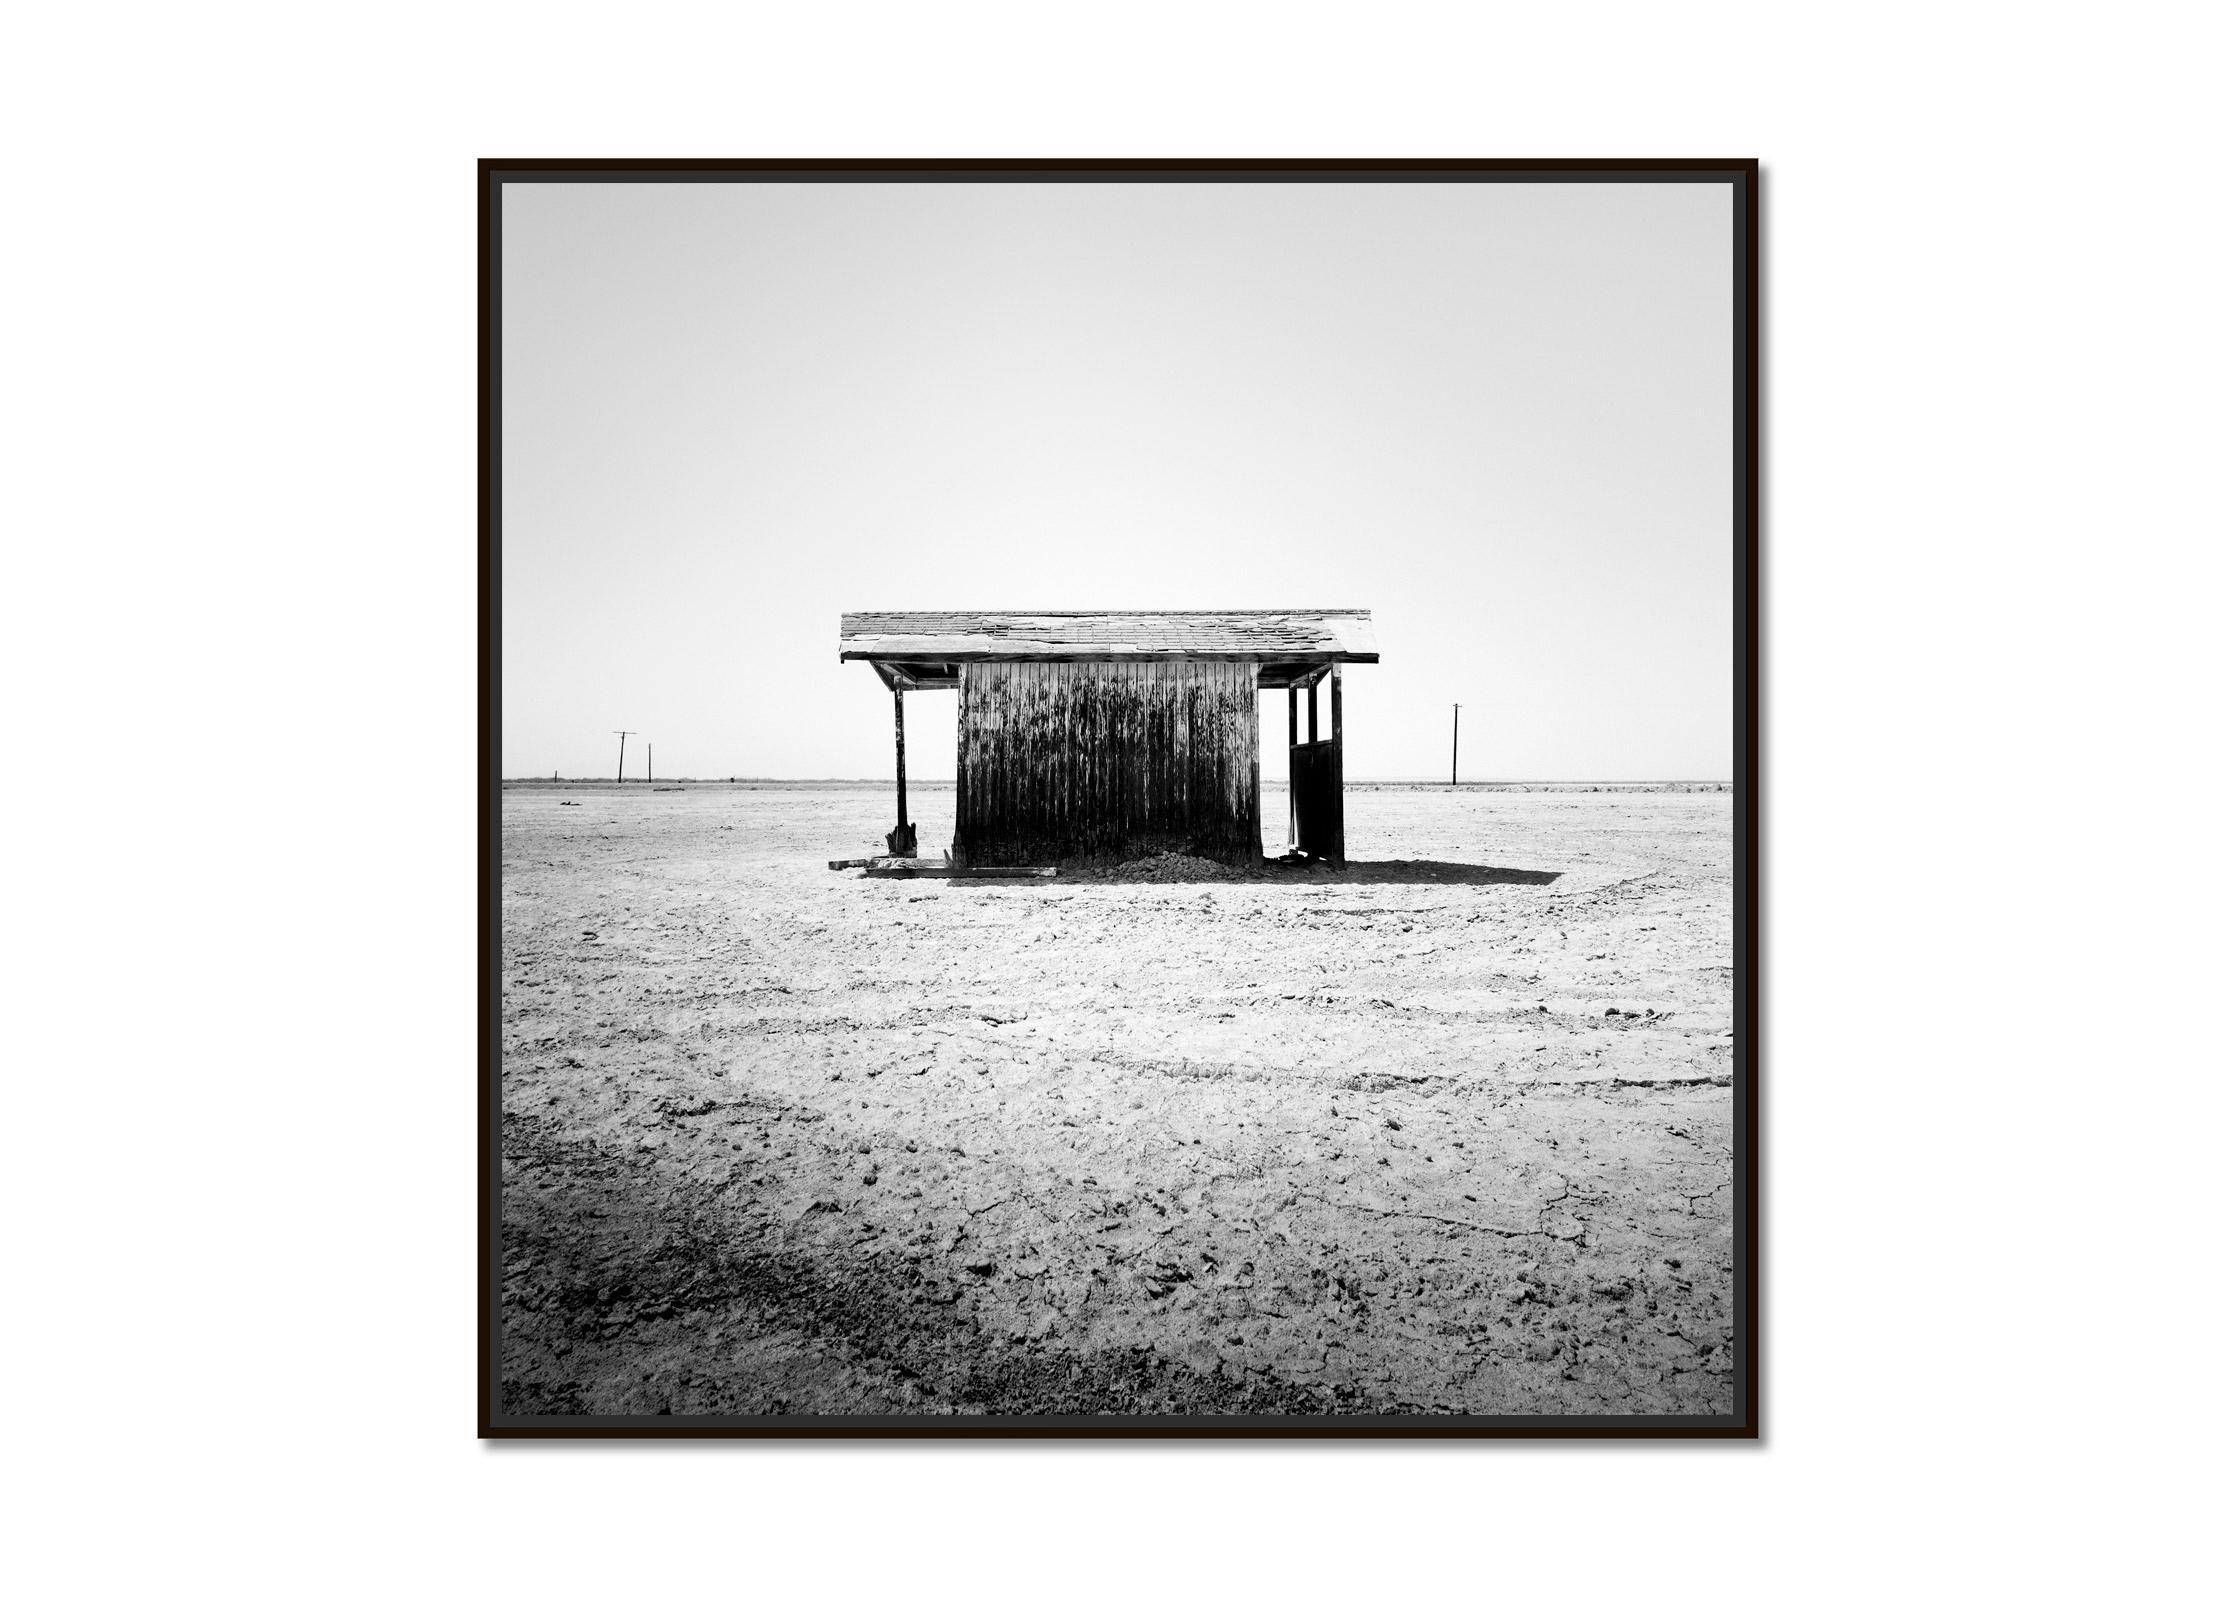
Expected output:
(1103, 735)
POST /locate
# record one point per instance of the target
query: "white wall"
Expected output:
(1999, 259)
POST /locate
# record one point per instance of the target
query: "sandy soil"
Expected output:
(1448, 1132)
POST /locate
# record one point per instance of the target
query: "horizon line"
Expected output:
(950, 783)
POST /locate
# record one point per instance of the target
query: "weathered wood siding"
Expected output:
(1071, 760)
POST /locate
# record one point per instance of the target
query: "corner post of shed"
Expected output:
(1291, 767)
(1338, 764)
(904, 840)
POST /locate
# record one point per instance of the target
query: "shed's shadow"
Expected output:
(1414, 872)
(1274, 877)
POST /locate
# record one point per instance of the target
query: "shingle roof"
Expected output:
(1298, 636)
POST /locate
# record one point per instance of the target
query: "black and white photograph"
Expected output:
(1118, 798)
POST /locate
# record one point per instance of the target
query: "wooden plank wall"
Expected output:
(1104, 760)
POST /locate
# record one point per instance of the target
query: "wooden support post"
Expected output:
(1337, 765)
(904, 840)
(1314, 720)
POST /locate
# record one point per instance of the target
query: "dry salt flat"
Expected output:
(1450, 1131)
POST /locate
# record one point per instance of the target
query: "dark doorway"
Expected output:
(1315, 800)
(1318, 775)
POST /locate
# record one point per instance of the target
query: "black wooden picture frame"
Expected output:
(1744, 1422)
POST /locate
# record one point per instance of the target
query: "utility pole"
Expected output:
(1454, 772)
(618, 749)
(649, 761)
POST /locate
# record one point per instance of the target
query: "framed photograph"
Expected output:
(983, 927)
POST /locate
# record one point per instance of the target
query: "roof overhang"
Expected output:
(905, 675)
(927, 650)
(910, 675)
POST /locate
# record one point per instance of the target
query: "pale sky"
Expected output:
(1499, 415)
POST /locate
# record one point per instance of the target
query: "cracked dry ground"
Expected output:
(783, 1140)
